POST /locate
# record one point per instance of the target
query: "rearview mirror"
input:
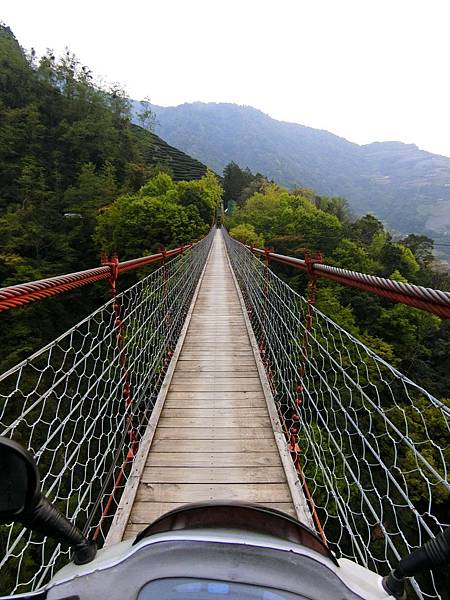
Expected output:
(21, 500)
(19, 481)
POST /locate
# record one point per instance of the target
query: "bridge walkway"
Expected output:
(214, 439)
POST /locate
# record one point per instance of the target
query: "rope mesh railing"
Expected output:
(371, 447)
(81, 404)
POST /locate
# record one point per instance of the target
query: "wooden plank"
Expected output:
(221, 378)
(214, 338)
(212, 335)
(246, 381)
(206, 422)
(215, 365)
(122, 513)
(213, 413)
(217, 403)
(214, 386)
(197, 366)
(211, 446)
(218, 349)
(265, 458)
(144, 513)
(219, 355)
(201, 492)
(218, 319)
(214, 433)
(219, 385)
(211, 344)
(199, 375)
(236, 327)
(132, 531)
(217, 342)
(213, 474)
(217, 395)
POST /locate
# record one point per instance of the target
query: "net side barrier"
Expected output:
(82, 403)
(370, 446)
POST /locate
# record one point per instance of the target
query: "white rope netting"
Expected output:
(371, 447)
(82, 403)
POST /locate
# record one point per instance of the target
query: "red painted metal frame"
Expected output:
(428, 299)
(24, 293)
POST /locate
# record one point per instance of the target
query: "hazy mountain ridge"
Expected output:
(407, 187)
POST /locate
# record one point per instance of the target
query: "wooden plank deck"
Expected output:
(214, 439)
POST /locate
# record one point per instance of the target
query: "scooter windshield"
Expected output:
(208, 589)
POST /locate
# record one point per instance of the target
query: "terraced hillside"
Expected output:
(158, 152)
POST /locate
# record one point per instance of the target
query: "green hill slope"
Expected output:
(158, 152)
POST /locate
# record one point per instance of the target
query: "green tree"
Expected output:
(136, 224)
(146, 116)
(204, 194)
(365, 228)
(234, 181)
(348, 254)
(94, 189)
(246, 234)
(406, 329)
(396, 257)
(422, 247)
(276, 213)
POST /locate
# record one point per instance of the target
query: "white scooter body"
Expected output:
(264, 566)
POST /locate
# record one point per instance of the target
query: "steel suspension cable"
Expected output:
(24, 293)
(431, 300)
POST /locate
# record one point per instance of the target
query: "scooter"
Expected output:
(202, 551)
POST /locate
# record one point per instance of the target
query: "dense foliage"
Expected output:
(162, 212)
(68, 148)
(291, 222)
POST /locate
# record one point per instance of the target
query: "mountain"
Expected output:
(403, 185)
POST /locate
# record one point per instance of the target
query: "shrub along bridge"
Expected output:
(211, 379)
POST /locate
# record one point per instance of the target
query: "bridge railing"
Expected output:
(82, 403)
(370, 446)
(21, 294)
(434, 301)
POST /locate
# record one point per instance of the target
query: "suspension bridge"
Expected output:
(211, 379)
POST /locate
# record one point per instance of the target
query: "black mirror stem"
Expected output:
(434, 553)
(46, 519)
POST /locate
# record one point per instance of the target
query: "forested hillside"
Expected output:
(78, 178)
(68, 149)
(406, 187)
(293, 221)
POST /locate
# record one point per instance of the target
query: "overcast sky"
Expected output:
(368, 70)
